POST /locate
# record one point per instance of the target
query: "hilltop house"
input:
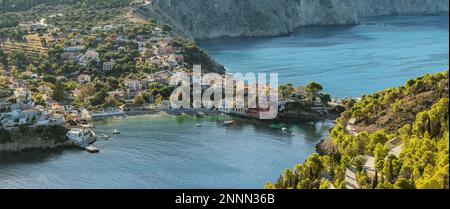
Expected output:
(108, 27)
(165, 49)
(95, 29)
(18, 117)
(123, 38)
(73, 48)
(23, 96)
(132, 84)
(58, 109)
(50, 119)
(156, 61)
(88, 56)
(107, 66)
(30, 115)
(113, 36)
(172, 60)
(83, 78)
(69, 56)
(141, 45)
(157, 32)
(121, 49)
(5, 106)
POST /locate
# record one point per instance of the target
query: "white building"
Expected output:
(108, 27)
(23, 96)
(50, 119)
(84, 78)
(107, 66)
(141, 45)
(95, 29)
(88, 56)
(172, 60)
(69, 55)
(155, 61)
(164, 105)
(132, 84)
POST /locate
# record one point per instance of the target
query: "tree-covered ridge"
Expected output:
(411, 153)
(21, 5)
(379, 110)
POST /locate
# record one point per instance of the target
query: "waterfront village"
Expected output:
(54, 75)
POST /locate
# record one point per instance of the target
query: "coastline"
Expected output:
(37, 138)
(35, 145)
(163, 112)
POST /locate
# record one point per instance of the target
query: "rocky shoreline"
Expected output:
(35, 144)
(34, 138)
(208, 19)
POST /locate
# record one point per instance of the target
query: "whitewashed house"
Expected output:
(88, 56)
(83, 78)
(69, 55)
(132, 84)
(23, 96)
(108, 66)
(164, 105)
(50, 119)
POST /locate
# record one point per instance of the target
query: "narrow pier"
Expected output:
(91, 149)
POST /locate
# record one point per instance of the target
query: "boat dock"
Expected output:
(91, 149)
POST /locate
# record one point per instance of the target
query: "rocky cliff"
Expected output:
(33, 138)
(399, 7)
(204, 19)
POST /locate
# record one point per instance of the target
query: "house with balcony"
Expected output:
(108, 66)
(90, 55)
(132, 84)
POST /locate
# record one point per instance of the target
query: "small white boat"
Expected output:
(104, 137)
(284, 129)
(228, 122)
(116, 132)
(198, 125)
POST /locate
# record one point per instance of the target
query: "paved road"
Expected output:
(350, 178)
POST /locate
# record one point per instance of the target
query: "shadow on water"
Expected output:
(301, 37)
(309, 130)
(409, 21)
(32, 156)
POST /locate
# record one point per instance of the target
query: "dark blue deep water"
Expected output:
(347, 60)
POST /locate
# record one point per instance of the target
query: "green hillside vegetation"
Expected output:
(20, 5)
(417, 113)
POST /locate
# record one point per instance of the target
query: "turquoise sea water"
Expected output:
(171, 152)
(382, 52)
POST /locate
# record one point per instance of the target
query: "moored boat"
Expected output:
(116, 132)
(228, 122)
(81, 136)
(104, 136)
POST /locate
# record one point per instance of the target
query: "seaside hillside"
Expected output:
(33, 138)
(22, 5)
(396, 138)
(207, 19)
(65, 61)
